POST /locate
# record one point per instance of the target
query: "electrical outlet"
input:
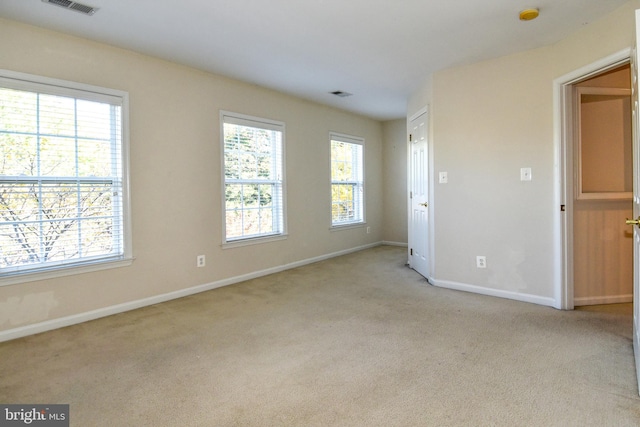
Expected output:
(481, 261)
(201, 261)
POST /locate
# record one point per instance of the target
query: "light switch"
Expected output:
(443, 178)
(525, 174)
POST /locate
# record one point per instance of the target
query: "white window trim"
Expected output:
(347, 226)
(336, 136)
(53, 86)
(247, 120)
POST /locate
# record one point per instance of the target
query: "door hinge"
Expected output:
(410, 137)
(411, 194)
(562, 208)
(411, 251)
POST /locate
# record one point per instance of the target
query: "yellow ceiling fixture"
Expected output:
(529, 14)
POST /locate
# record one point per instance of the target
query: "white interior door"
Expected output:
(636, 196)
(419, 195)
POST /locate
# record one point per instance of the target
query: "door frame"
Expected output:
(564, 134)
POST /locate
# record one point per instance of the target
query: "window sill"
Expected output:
(348, 226)
(253, 241)
(24, 277)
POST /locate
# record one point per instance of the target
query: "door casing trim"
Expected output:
(564, 175)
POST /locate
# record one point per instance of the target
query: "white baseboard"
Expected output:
(615, 299)
(636, 352)
(401, 244)
(534, 299)
(61, 322)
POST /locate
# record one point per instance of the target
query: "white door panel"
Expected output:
(419, 196)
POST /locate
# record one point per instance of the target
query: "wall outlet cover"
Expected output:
(201, 261)
(481, 261)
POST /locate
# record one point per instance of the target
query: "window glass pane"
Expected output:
(233, 196)
(94, 158)
(17, 111)
(250, 222)
(266, 193)
(342, 202)
(57, 156)
(19, 154)
(56, 115)
(94, 120)
(233, 223)
(95, 238)
(248, 165)
(19, 201)
(264, 166)
(61, 247)
(251, 196)
(232, 164)
(266, 220)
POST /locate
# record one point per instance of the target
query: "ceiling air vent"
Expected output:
(73, 5)
(340, 93)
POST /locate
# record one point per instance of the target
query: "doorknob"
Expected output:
(426, 205)
(633, 221)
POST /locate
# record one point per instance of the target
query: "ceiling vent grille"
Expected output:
(72, 5)
(340, 93)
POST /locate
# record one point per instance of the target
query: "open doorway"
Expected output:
(567, 190)
(603, 185)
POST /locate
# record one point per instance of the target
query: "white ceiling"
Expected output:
(378, 50)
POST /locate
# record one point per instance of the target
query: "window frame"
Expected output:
(256, 122)
(79, 91)
(355, 140)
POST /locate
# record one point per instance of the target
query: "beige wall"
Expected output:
(394, 163)
(176, 178)
(489, 119)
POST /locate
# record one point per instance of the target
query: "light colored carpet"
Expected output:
(359, 340)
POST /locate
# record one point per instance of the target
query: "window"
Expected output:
(253, 177)
(63, 200)
(347, 182)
